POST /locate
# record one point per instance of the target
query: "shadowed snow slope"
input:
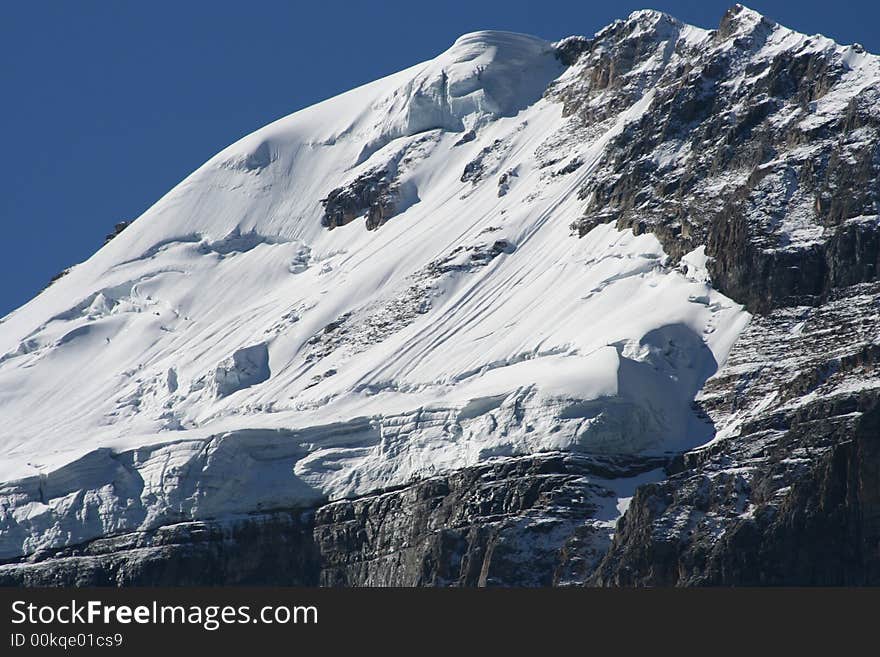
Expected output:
(227, 353)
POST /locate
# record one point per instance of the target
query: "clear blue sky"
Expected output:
(106, 105)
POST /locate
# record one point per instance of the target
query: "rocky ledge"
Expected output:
(537, 520)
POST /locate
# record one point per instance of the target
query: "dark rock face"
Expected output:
(785, 197)
(537, 520)
(372, 194)
(117, 228)
(533, 521)
(381, 190)
(821, 528)
(272, 548)
(476, 169)
(737, 152)
(569, 50)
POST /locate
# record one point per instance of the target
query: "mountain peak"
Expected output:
(651, 16)
(644, 24)
(741, 20)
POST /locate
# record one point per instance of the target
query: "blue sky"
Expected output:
(106, 105)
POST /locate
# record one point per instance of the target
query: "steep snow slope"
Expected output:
(248, 343)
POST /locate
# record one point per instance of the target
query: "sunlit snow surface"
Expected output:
(227, 353)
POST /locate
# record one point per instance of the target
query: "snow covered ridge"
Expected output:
(228, 352)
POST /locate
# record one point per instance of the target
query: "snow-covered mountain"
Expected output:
(472, 260)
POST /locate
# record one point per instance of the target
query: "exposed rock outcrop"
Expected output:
(538, 520)
(118, 228)
(372, 195)
(803, 510)
(273, 548)
(740, 150)
(783, 190)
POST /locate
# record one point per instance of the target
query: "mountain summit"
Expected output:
(493, 302)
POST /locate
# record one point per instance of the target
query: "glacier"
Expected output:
(228, 352)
